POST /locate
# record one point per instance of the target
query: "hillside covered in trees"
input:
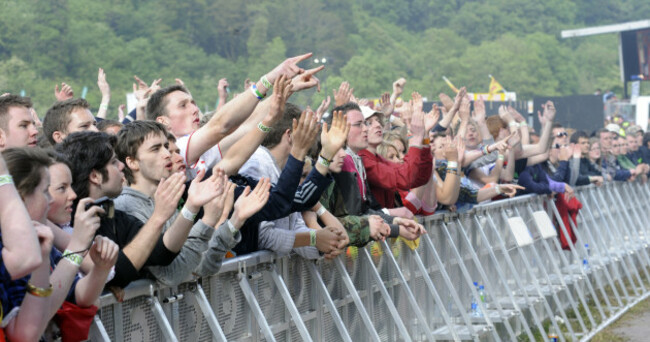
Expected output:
(368, 43)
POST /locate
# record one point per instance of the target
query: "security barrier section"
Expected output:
(496, 272)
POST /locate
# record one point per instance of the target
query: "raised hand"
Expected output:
(168, 194)
(104, 88)
(460, 148)
(363, 102)
(120, 112)
(303, 134)
(65, 93)
(343, 94)
(431, 118)
(247, 83)
(504, 114)
(250, 202)
(104, 252)
(515, 114)
(282, 91)
(398, 86)
(417, 120)
(202, 192)
(307, 80)
(565, 153)
(451, 151)
(387, 107)
(288, 67)
(322, 108)
(479, 111)
(463, 109)
(334, 138)
(222, 88)
(549, 111)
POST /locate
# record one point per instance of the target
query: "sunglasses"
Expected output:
(562, 134)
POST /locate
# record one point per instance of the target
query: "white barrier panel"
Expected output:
(390, 292)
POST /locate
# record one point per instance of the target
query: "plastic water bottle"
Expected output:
(585, 261)
(475, 310)
(481, 293)
(552, 335)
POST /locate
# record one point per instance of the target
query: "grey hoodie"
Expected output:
(202, 252)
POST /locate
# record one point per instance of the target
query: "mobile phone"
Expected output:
(106, 204)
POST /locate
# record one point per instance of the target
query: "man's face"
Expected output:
(622, 145)
(182, 112)
(616, 147)
(153, 160)
(337, 161)
(81, 120)
(560, 135)
(21, 130)
(471, 136)
(358, 135)
(631, 143)
(605, 141)
(177, 159)
(375, 131)
(112, 185)
(584, 145)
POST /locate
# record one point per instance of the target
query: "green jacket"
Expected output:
(357, 227)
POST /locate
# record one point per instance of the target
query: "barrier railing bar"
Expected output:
(97, 331)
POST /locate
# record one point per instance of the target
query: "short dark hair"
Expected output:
(272, 138)
(577, 135)
(345, 108)
(171, 137)
(25, 166)
(600, 131)
(556, 125)
(131, 137)
(157, 102)
(9, 101)
(105, 124)
(646, 139)
(57, 118)
(87, 151)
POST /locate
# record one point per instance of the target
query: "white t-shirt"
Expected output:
(206, 161)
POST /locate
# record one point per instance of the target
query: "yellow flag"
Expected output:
(495, 87)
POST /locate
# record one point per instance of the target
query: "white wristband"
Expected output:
(497, 188)
(321, 211)
(452, 164)
(187, 214)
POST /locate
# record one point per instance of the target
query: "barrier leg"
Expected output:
(556, 270)
(454, 294)
(504, 281)
(97, 331)
(576, 278)
(255, 307)
(347, 281)
(163, 323)
(486, 281)
(328, 302)
(409, 294)
(206, 309)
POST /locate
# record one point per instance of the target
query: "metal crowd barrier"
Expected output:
(390, 291)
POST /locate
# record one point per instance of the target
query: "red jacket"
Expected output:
(386, 178)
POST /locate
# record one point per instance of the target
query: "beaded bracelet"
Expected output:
(323, 161)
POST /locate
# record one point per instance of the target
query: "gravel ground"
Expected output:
(632, 326)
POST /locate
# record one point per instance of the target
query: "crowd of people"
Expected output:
(89, 204)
